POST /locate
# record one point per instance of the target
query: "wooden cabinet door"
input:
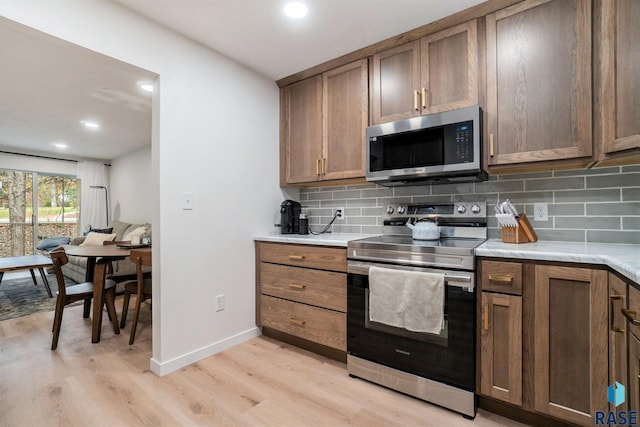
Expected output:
(617, 336)
(570, 343)
(345, 119)
(396, 79)
(501, 347)
(633, 387)
(539, 82)
(301, 121)
(450, 69)
(618, 81)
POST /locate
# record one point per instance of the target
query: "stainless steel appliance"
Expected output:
(437, 148)
(438, 368)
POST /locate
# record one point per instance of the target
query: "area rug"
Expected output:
(19, 297)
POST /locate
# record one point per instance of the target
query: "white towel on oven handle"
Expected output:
(411, 300)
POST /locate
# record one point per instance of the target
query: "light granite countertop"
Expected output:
(326, 239)
(623, 258)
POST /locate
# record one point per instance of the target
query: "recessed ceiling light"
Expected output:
(295, 9)
(60, 145)
(90, 124)
(146, 86)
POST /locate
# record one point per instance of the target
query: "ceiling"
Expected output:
(55, 85)
(40, 108)
(258, 34)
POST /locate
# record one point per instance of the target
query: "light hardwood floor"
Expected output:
(261, 382)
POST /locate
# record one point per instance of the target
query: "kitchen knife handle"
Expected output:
(630, 315)
(297, 322)
(297, 286)
(416, 94)
(500, 278)
(613, 298)
(485, 317)
(424, 97)
(296, 257)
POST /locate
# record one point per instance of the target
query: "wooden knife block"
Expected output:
(522, 234)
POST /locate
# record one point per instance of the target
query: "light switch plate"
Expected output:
(187, 201)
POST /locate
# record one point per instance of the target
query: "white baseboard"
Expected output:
(164, 368)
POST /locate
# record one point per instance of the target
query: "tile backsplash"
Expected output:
(585, 205)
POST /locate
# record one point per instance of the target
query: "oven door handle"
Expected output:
(452, 278)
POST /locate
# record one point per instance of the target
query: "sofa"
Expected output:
(76, 268)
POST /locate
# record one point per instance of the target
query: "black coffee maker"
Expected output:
(290, 217)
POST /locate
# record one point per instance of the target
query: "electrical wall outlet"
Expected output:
(540, 212)
(220, 302)
(340, 212)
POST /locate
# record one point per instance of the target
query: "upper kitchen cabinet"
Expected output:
(437, 73)
(301, 130)
(617, 106)
(539, 83)
(323, 121)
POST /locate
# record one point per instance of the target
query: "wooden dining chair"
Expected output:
(82, 291)
(141, 287)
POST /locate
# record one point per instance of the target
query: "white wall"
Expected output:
(130, 187)
(215, 135)
(38, 164)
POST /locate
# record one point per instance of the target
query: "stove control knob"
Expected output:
(461, 209)
(475, 209)
(390, 210)
(401, 210)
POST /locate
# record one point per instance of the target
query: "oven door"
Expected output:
(448, 357)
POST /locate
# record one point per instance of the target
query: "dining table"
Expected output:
(96, 273)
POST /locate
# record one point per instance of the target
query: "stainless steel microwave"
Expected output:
(437, 148)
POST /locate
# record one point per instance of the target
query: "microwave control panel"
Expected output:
(459, 146)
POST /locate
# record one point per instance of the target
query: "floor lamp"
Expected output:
(106, 198)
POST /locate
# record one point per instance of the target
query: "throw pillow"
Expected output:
(101, 230)
(134, 235)
(97, 239)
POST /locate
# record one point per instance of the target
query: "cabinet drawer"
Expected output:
(315, 324)
(321, 288)
(504, 277)
(634, 310)
(324, 258)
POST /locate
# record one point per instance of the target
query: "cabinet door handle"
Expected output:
(324, 165)
(612, 314)
(485, 317)
(490, 145)
(424, 97)
(297, 322)
(297, 286)
(630, 315)
(500, 278)
(416, 94)
(297, 257)
(317, 166)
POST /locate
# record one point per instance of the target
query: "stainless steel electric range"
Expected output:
(439, 368)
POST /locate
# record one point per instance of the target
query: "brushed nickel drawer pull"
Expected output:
(612, 327)
(297, 257)
(630, 315)
(485, 317)
(297, 322)
(500, 278)
(297, 286)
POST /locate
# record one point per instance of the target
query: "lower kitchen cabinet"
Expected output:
(570, 349)
(618, 332)
(501, 347)
(301, 295)
(633, 386)
(545, 350)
